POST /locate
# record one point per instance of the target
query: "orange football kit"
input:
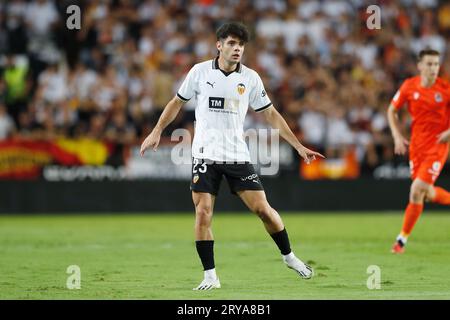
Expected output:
(430, 112)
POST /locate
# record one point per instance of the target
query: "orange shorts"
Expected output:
(427, 167)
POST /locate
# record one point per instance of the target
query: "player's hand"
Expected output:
(400, 145)
(308, 155)
(444, 137)
(152, 141)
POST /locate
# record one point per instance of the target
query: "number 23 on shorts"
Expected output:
(199, 167)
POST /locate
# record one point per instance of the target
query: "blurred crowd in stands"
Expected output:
(330, 76)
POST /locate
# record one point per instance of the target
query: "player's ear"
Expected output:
(419, 65)
(219, 45)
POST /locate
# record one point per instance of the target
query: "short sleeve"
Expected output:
(258, 99)
(189, 85)
(400, 97)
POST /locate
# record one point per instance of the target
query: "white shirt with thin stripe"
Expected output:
(222, 103)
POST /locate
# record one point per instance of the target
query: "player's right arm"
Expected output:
(169, 114)
(400, 142)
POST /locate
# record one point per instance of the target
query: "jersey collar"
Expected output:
(215, 65)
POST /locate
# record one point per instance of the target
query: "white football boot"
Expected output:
(303, 270)
(208, 284)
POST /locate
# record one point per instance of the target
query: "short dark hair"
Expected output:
(235, 29)
(428, 52)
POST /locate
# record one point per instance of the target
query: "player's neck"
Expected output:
(427, 82)
(225, 65)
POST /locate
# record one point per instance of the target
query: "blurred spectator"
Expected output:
(16, 85)
(7, 127)
(40, 16)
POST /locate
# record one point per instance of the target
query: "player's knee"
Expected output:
(416, 196)
(430, 195)
(418, 193)
(263, 210)
(203, 213)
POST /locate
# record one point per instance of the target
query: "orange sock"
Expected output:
(442, 196)
(412, 213)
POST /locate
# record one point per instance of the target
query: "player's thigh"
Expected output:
(242, 177)
(206, 177)
(415, 163)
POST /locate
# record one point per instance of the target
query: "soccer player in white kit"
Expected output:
(224, 89)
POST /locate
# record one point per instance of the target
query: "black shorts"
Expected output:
(207, 176)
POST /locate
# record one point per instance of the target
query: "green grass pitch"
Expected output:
(138, 256)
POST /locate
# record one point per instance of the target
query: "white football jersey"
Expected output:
(222, 103)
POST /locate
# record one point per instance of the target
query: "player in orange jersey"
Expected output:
(428, 100)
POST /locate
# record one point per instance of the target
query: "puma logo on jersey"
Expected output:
(211, 84)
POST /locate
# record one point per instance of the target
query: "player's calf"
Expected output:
(270, 218)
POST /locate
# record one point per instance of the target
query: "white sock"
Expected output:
(210, 274)
(402, 239)
(289, 257)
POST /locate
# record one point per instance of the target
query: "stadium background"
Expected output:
(76, 104)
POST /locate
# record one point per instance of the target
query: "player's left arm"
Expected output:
(444, 136)
(274, 118)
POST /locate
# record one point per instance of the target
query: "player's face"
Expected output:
(231, 49)
(429, 67)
